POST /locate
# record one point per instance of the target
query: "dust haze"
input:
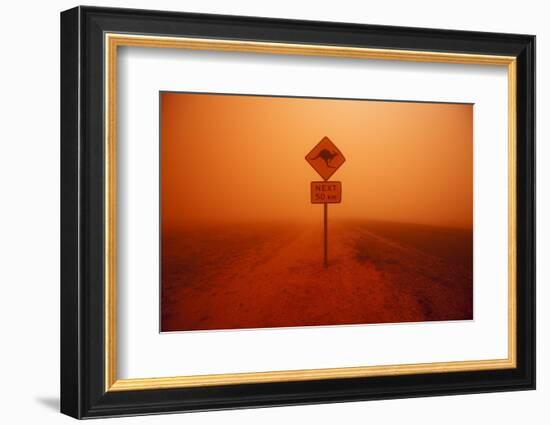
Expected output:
(241, 158)
(242, 244)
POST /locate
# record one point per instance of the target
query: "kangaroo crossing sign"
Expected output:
(325, 158)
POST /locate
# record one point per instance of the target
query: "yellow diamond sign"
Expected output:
(325, 158)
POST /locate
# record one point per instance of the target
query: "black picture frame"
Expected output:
(83, 392)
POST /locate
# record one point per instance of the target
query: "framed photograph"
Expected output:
(260, 212)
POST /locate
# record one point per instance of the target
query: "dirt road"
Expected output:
(273, 275)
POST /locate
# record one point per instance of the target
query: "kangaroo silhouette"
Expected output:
(326, 156)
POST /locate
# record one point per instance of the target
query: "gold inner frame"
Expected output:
(113, 41)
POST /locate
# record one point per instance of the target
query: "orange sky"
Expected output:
(241, 158)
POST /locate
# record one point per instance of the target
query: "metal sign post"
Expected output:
(325, 227)
(325, 158)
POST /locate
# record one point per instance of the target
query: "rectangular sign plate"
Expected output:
(326, 192)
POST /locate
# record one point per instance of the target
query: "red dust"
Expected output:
(272, 275)
(229, 159)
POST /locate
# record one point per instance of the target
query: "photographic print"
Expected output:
(302, 194)
(293, 211)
